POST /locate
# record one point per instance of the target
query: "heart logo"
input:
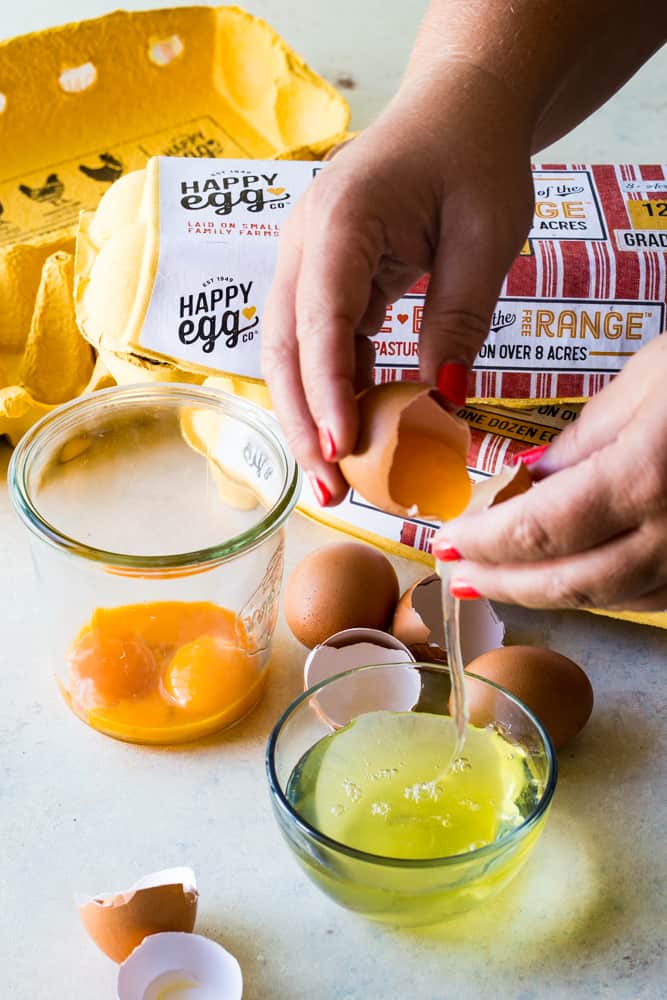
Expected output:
(402, 318)
(249, 312)
(275, 190)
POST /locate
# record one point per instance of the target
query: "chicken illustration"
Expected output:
(110, 170)
(52, 190)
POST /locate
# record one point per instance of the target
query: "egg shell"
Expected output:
(180, 965)
(551, 685)
(164, 901)
(382, 410)
(418, 622)
(340, 586)
(509, 482)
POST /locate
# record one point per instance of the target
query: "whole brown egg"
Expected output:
(556, 690)
(343, 585)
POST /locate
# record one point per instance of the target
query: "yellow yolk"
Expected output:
(429, 475)
(162, 672)
(208, 674)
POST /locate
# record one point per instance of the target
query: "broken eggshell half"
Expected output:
(410, 457)
(119, 921)
(360, 647)
(418, 623)
(180, 965)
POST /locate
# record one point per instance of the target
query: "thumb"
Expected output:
(473, 256)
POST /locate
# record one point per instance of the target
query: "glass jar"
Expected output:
(156, 517)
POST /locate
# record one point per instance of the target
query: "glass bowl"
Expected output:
(406, 890)
(155, 514)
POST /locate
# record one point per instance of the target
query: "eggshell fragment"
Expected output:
(418, 623)
(340, 586)
(173, 966)
(119, 921)
(551, 685)
(385, 413)
(509, 482)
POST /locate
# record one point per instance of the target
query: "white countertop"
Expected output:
(79, 812)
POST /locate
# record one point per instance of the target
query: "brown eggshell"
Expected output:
(119, 922)
(382, 409)
(551, 685)
(340, 586)
(416, 629)
(509, 482)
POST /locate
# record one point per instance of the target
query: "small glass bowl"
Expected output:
(407, 892)
(156, 517)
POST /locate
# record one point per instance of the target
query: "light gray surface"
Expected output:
(79, 812)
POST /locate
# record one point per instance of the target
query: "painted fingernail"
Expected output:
(453, 382)
(327, 443)
(463, 591)
(445, 552)
(320, 489)
(530, 456)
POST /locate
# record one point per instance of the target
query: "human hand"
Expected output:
(592, 532)
(440, 183)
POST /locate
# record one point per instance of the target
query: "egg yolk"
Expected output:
(429, 475)
(208, 674)
(161, 672)
(115, 668)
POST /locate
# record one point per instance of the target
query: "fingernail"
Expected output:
(327, 443)
(453, 382)
(530, 456)
(320, 489)
(445, 552)
(463, 591)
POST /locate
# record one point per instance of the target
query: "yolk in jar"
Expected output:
(208, 674)
(162, 671)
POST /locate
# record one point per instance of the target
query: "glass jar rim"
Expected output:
(515, 835)
(70, 412)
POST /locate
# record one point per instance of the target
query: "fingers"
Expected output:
(332, 298)
(475, 251)
(627, 573)
(571, 511)
(280, 366)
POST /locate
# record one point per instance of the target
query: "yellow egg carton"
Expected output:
(83, 104)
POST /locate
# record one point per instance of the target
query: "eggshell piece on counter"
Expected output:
(173, 965)
(340, 586)
(119, 921)
(551, 685)
(418, 622)
(410, 457)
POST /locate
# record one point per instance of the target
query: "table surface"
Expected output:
(79, 812)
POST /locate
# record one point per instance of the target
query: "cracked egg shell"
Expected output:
(180, 965)
(418, 623)
(119, 921)
(404, 433)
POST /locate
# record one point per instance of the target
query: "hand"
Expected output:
(440, 183)
(593, 531)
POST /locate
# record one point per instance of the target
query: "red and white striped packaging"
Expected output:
(588, 290)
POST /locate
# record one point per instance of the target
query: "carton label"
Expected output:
(566, 207)
(47, 201)
(219, 225)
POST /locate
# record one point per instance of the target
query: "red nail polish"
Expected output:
(445, 552)
(320, 489)
(463, 591)
(530, 456)
(453, 382)
(327, 443)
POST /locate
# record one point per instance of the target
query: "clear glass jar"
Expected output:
(156, 517)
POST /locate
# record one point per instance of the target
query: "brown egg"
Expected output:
(410, 457)
(551, 685)
(118, 922)
(340, 586)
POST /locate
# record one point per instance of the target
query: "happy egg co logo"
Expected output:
(222, 307)
(227, 190)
